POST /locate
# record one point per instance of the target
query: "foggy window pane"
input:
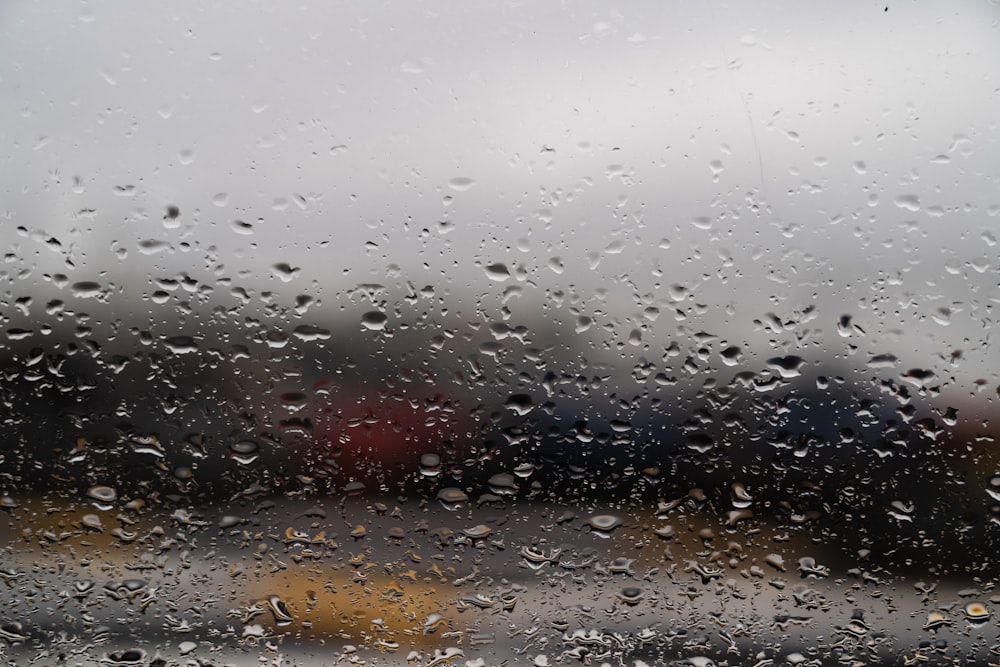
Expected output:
(485, 334)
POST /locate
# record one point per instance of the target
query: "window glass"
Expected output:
(499, 333)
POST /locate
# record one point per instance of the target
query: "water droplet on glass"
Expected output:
(92, 522)
(461, 184)
(181, 344)
(665, 532)
(935, 619)
(882, 361)
(279, 611)
(976, 612)
(478, 531)
(520, 404)
(86, 289)
(374, 320)
(604, 524)
(294, 400)
(788, 367)
(731, 356)
(452, 499)
(630, 595)
(741, 498)
(125, 658)
(241, 227)
(430, 464)
(498, 272)
(908, 202)
(244, 451)
(776, 561)
(503, 484)
(285, 272)
(103, 497)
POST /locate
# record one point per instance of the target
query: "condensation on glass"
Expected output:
(497, 334)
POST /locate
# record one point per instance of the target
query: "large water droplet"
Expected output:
(503, 484)
(498, 272)
(181, 344)
(244, 451)
(452, 499)
(374, 320)
(461, 184)
(520, 404)
(279, 611)
(103, 497)
(430, 464)
(976, 612)
(86, 289)
(788, 367)
(604, 524)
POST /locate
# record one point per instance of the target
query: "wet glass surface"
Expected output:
(484, 334)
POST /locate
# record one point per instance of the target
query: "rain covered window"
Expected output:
(481, 333)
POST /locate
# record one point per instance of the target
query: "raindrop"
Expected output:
(731, 356)
(993, 487)
(181, 344)
(355, 488)
(374, 320)
(92, 522)
(86, 289)
(503, 484)
(935, 620)
(908, 202)
(452, 499)
(294, 400)
(104, 497)
(942, 316)
(461, 184)
(699, 442)
(430, 464)
(776, 561)
(285, 272)
(788, 367)
(477, 532)
(524, 469)
(976, 612)
(434, 622)
(918, 377)
(665, 532)
(244, 451)
(152, 246)
(630, 595)
(125, 658)
(279, 611)
(604, 524)
(520, 404)
(498, 272)
(741, 498)
(308, 332)
(882, 361)
(241, 227)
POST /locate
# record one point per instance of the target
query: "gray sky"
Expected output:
(767, 156)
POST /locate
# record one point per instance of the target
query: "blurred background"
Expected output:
(667, 268)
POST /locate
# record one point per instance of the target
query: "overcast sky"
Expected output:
(768, 156)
